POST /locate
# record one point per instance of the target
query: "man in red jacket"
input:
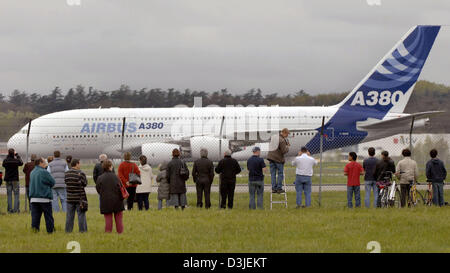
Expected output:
(353, 171)
(125, 168)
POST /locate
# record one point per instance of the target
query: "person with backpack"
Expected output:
(11, 164)
(163, 185)
(228, 168)
(126, 169)
(177, 174)
(436, 174)
(76, 181)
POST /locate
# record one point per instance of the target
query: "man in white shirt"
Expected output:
(304, 164)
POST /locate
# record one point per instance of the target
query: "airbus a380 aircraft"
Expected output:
(374, 109)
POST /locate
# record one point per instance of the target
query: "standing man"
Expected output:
(256, 168)
(369, 165)
(203, 175)
(98, 169)
(304, 164)
(41, 183)
(407, 172)
(436, 174)
(276, 158)
(11, 164)
(76, 181)
(29, 166)
(353, 171)
(228, 168)
(57, 168)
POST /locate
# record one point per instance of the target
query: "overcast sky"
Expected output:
(276, 45)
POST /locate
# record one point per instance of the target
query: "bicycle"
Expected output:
(388, 192)
(429, 195)
(415, 197)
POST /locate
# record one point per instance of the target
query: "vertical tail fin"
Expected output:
(388, 86)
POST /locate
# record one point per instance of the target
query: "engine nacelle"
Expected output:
(158, 152)
(215, 146)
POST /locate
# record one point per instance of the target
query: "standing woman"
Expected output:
(163, 185)
(111, 201)
(143, 190)
(125, 168)
(177, 174)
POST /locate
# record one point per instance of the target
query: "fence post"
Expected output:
(410, 134)
(123, 134)
(26, 160)
(321, 153)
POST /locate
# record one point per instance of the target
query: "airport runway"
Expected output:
(244, 188)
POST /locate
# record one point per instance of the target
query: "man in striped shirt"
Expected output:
(75, 181)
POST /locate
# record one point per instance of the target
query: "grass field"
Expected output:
(331, 228)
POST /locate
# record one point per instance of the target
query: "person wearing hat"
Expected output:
(256, 168)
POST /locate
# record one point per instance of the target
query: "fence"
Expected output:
(114, 136)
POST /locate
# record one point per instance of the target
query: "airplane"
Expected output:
(372, 110)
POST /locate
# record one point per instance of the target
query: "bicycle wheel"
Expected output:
(429, 198)
(383, 198)
(420, 201)
(396, 202)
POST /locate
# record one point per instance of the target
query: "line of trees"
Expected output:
(20, 106)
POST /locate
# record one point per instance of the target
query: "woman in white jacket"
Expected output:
(143, 190)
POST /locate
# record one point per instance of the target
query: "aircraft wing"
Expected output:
(395, 123)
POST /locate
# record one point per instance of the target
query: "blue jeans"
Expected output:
(61, 193)
(256, 188)
(350, 191)
(36, 212)
(13, 187)
(70, 217)
(438, 194)
(303, 184)
(371, 185)
(277, 182)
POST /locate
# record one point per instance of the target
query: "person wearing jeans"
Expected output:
(304, 164)
(11, 164)
(436, 175)
(12, 187)
(41, 183)
(369, 166)
(353, 171)
(57, 168)
(279, 146)
(75, 181)
(256, 167)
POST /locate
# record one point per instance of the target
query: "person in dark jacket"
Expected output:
(68, 160)
(436, 175)
(228, 168)
(177, 180)
(41, 184)
(98, 168)
(386, 164)
(27, 168)
(111, 201)
(203, 175)
(76, 181)
(11, 164)
(163, 185)
(369, 166)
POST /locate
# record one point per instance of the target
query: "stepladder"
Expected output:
(281, 198)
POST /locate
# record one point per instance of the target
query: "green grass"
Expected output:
(331, 228)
